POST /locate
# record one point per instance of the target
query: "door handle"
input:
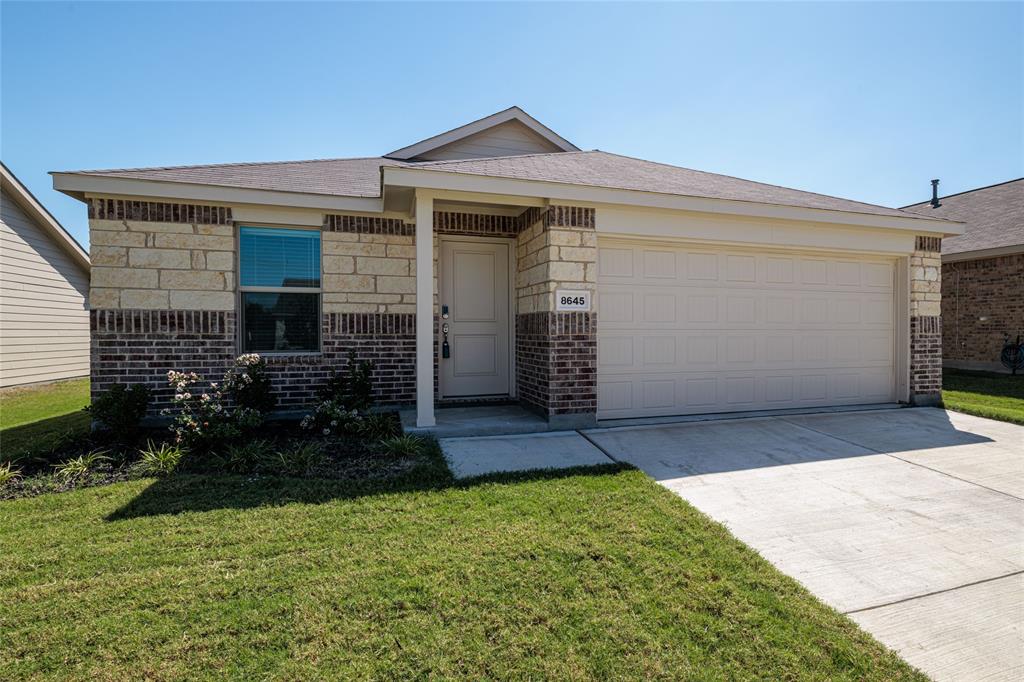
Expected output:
(446, 350)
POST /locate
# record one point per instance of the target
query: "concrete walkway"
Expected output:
(910, 521)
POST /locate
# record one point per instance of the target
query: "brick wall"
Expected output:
(141, 346)
(556, 352)
(981, 301)
(926, 321)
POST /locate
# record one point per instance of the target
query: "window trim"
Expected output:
(239, 290)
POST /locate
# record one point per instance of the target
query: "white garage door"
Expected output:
(693, 329)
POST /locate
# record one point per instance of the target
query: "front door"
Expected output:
(475, 290)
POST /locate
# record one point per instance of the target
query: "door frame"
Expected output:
(510, 242)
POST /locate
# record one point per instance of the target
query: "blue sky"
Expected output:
(867, 101)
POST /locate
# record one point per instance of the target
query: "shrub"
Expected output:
(78, 467)
(331, 418)
(242, 458)
(201, 422)
(352, 387)
(406, 445)
(379, 426)
(248, 384)
(120, 409)
(160, 461)
(295, 460)
(8, 474)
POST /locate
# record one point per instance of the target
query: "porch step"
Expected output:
(479, 420)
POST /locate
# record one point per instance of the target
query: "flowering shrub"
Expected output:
(120, 409)
(248, 384)
(353, 386)
(331, 418)
(200, 419)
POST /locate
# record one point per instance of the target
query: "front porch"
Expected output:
(488, 323)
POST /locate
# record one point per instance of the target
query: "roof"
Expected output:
(603, 169)
(10, 182)
(356, 177)
(994, 217)
(360, 177)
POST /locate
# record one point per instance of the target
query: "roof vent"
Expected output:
(935, 194)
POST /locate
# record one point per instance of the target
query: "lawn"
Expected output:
(589, 574)
(34, 418)
(996, 396)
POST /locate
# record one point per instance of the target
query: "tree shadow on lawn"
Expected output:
(181, 493)
(27, 440)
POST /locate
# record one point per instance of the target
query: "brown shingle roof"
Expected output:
(603, 169)
(357, 177)
(360, 177)
(994, 217)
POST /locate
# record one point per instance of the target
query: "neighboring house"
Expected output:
(44, 292)
(982, 273)
(583, 284)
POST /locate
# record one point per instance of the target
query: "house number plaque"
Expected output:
(566, 299)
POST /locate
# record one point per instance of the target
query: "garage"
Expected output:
(694, 329)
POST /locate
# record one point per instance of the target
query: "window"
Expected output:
(279, 281)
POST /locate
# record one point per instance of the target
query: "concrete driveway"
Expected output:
(911, 521)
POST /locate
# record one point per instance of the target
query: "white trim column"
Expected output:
(424, 309)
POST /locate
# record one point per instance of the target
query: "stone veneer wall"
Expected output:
(926, 321)
(157, 256)
(989, 288)
(556, 352)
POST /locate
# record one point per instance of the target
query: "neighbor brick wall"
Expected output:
(926, 321)
(141, 346)
(990, 288)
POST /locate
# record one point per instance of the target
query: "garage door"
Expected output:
(693, 329)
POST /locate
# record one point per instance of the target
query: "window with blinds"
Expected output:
(279, 283)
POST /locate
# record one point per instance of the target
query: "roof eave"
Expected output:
(976, 254)
(79, 185)
(428, 179)
(35, 208)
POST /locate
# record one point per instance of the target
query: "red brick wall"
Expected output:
(925, 360)
(556, 362)
(141, 346)
(992, 288)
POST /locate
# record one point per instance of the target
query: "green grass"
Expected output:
(36, 417)
(996, 396)
(588, 574)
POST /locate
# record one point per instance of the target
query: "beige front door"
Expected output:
(475, 289)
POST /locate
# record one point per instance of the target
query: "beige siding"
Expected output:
(44, 319)
(507, 139)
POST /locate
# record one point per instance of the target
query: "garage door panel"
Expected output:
(656, 351)
(686, 330)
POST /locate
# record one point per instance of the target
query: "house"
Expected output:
(44, 292)
(982, 273)
(499, 261)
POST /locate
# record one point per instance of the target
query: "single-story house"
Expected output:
(44, 292)
(499, 261)
(982, 273)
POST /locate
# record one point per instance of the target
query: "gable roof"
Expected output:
(357, 183)
(50, 226)
(994, 217)
(455, 134)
